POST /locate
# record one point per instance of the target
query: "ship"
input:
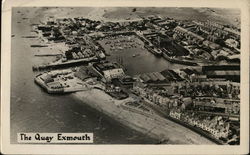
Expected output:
(38, 45)
(155, 51)
(135, 55)
(178, 61)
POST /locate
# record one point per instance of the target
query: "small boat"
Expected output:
(38, 45)
(135, 55)
(29, 36)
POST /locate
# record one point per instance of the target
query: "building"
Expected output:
(108, 71)
(228, 72)
(207, 105)
(55, 85)
(127, 80)
(211, 45)
(188, 34)
(154, 77)
(212, 38)
(210, 23)
(233, 32)
(113, 73)
(232, 43)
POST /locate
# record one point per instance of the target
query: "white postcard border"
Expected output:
(6, 147)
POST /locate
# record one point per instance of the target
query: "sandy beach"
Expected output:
(156, 127)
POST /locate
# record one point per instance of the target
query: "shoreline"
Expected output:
(156, 128)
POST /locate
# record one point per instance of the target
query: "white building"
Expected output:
(113, 73)
(232, 43)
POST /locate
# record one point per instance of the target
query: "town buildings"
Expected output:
(206, 97)
(108, 70)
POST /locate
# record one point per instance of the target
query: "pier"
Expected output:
(72, 63)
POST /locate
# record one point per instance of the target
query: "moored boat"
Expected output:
(178, 61)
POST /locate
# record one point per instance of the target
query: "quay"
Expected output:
(45, 55)
(57, 83)
(50, 91)
(71, 63)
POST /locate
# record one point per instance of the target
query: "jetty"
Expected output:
(71, 63)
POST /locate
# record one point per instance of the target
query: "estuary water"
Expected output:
(33, 110)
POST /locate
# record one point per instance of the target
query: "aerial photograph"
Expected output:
(129, 75)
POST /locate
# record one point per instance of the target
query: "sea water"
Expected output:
(34, 110)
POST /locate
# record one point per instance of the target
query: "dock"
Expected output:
(72, 63)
